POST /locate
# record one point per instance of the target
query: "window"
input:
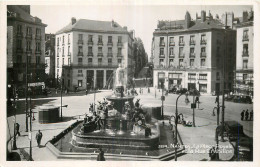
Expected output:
(181, 40)
(58, 41)
(62, 61)
(161, 40)
(79, 71)
(29, 31)
(57, 52)
(69, 61)
(19, 58)
(90, 49)
(80, 37)
(79, 83)
(62, 51)
(19, 28)
(245, 63)
(171, 62)
(38, 59)
(181, 52)
(161, 62)
(191, 62)
(109, 39)
(99, 50)
(192, 50)
(191, 76)
(192, 39)
(99, 61)
(58, 62)
(202, 62)
(63, 39)
(244, 77)
(119, 61)
(79, 60)
(68, 38)
(217, 76)
(58, 71)
(109, 50)
(162, 51)
(89, 60)
(181, 62)
(203, 38)
(245, 35)
(119, 51)
(109, 61)
(28, 46)
(171, 40)
(68, 50)
(202, 76)
(171, 51)
(119, 39)
(203, 50)
(19, 44)
(80, 49)
(100, 39)
(245, 49)
(38, 46)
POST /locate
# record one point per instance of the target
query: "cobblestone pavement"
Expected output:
(203, 133)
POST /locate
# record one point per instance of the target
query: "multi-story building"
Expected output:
(25, 46)
(88, 53)
(196, 53)
(50, 59)
(140, 55)
(244, 77)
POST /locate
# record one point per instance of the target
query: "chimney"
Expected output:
(125, 28)
(245, 16)
(73, 20)
(203, 16)
(187, 20)
(112, 23)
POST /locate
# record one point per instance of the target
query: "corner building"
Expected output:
(88, 53)
(191, 53)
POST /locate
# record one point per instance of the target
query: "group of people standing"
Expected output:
(246, 116)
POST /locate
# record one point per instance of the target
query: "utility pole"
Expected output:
(61, 96)
(26, 94)
(218, 108)
(162, 98)
(30, 124)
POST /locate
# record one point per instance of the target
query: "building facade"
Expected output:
(194, 54)
(88, 53)
(26, 45)
(50, 59)
(244, 74)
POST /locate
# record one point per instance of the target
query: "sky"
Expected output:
(142, 19)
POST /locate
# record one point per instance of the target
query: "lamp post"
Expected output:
(30, 115)
(26, 91)
(176, 123)
(14, 107)
(162, 98)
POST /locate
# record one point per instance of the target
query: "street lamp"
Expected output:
(26, 90)
(30, 133)
(176, 123)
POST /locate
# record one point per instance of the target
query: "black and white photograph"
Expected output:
(129, 82)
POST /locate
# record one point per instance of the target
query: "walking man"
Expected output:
(242, 115)
(17, 127)
(101, 156)
(39, 137)
(246, 115)
(251, 116)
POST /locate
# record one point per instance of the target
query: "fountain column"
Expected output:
(95, 79)
(105, 78)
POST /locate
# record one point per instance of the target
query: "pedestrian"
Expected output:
(197, 99)
(217, 99)
(251, 116)
(246, 115)
(39, 138)
(86, 91)
(17, 127)
(101, 156)
(148, 90)
(242, 115)
(140, 91)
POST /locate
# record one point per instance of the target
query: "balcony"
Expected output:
(245, 54)
(90, 54)
(29, 36)
(19, 50)
(162, 55)
(80, 53)
(171, 55)
(192, 42)
(109, 43)
(100, 43)
(38, 52)
(162, 44)
(119, 55)
(203, 54)
(80, 42)
(100, 55)
(109, 54)
(245, 38)
(181, 43)
(172, 43)
(181, 55)
(19, 35)
(80, 75)
(38, 37)
(192, 55)
(203, 42)
(120, 44)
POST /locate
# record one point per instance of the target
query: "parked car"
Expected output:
(232, 129)
(173, 89)
(242, 99)
(181, 90)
